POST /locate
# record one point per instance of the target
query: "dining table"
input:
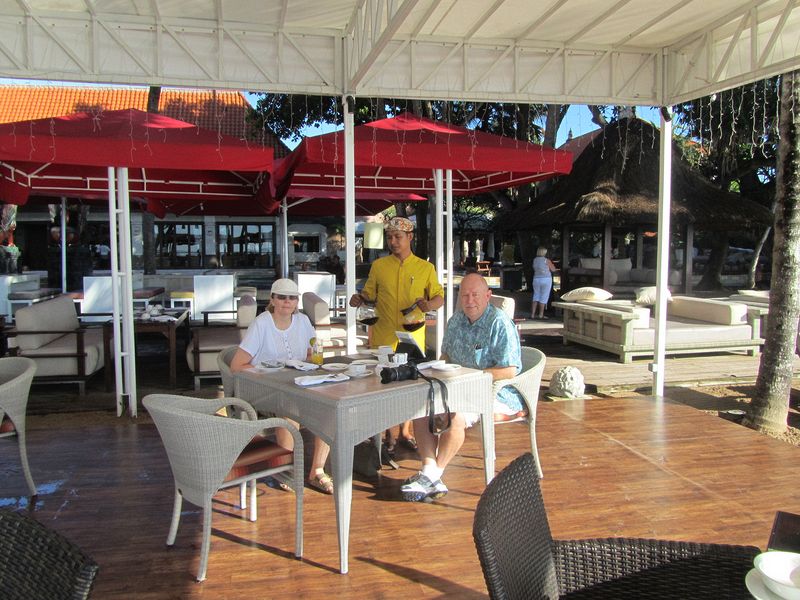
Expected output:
(346, 413)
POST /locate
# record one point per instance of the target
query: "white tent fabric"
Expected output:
(627, 52)
(634, 52)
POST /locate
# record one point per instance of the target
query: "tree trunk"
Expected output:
(712, 275)
(148, 219)
(752, 268)
(770, 406)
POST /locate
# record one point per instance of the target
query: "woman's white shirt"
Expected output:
(264, 341)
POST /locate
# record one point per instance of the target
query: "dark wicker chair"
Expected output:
(520, 560)
(37, 562)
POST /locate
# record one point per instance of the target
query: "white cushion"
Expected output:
(57, 314)
(710, 311)
(210, 342)
(620, 265)
(589, 263)
(92, 345)
(316, 309)
(504, 303)
(754, 293)
(647, 296)
(586, 293)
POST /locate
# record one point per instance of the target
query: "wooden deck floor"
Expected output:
(635, 467)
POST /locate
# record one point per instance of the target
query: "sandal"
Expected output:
(322, 483)
(409, 443)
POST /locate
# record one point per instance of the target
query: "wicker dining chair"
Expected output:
(520, 560)
(37, 562)
(16, 374)
(224, 359)
(527, 383)
(208, 453)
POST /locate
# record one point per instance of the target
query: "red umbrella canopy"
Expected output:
(398, 155)
(329, 202)
(168, 159)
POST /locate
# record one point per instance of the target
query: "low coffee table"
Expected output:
(166, 328)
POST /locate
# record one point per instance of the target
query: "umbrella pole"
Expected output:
(63, 245)
(350, 222)
(662, 262)
(438, 182)
(113, 255)
(449, 246)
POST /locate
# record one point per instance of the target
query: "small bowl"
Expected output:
(780, 572)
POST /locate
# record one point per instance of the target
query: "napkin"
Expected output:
(315, 379)
(429, 364)
(300, 365)
(163, 318)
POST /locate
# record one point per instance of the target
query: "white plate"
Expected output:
(755, 585)
(335, 366)
(446, 367)
(364, 361)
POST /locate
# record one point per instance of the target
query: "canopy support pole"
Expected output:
(126, 264)
(449, 246)
(348, 103)
(63, 245)
(658, 366)
(438, 182)
(112, 235)
(285, 237)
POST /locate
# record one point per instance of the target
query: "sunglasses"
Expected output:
(283, 297)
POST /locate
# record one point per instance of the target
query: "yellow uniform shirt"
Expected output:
(396, 286)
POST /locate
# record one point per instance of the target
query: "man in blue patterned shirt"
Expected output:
(480, 336)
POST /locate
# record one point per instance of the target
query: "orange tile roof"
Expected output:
(218, 110)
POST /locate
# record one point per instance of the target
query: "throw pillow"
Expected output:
(586, 293)
(647, 296)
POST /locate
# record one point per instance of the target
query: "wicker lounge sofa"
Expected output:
(64, 350)
(694, 326)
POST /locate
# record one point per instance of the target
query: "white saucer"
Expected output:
(364, 361)
(335, 366)
(755, 585)
(446, 367)
(359, 375)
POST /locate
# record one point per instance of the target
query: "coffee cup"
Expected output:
(357, 369)
(400, 358)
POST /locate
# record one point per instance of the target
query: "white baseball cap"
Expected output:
(287, 287)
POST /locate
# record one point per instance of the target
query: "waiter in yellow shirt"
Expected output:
(396, 282)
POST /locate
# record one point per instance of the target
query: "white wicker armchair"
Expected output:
(224, 359)
(207, 453)
(527, 383)
(16, 374)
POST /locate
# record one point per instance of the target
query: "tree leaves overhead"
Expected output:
(291, 116)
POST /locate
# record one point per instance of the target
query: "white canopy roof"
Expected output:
(636, 52)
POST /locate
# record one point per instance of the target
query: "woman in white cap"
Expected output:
(282, 333)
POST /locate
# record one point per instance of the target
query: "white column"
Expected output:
(126, 280)
(285, 236)
(63, 245)
(114, 247)
(450, 299)
(438, 181)
(350, 220)
(662, 262)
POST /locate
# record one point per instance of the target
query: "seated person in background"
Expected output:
(480, 337)
(281, 333)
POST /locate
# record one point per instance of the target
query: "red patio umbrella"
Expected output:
(167, 159)
(398, 154)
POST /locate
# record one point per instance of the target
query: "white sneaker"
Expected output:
(420, 487)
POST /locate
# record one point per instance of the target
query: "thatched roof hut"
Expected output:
(615, 181)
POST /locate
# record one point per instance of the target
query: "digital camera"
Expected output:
(401, 373)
